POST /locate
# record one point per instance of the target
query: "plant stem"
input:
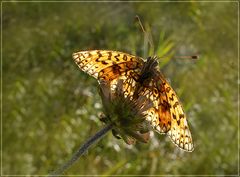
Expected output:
(82, 150)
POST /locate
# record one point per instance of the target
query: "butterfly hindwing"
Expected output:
(159, 115)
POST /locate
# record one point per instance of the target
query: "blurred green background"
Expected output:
(50, 107)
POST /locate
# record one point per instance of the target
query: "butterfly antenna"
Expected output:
(194, 57)
(147, 36)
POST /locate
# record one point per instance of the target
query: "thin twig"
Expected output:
(147, 35)
(82, 150)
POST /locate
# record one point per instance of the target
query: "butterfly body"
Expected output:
(141, 78)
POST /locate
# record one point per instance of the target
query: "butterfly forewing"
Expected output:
(94, 62)
(179, 131)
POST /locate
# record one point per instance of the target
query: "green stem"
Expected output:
(82, 150)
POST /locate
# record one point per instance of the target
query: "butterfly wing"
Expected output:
(159, 114)
(106, 64)
(167, 115)
(179, 131)
(111, 66)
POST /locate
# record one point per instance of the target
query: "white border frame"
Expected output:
(238, 82)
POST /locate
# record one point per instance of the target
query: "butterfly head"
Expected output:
(149, 70)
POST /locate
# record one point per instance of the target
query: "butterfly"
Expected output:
(141, 78)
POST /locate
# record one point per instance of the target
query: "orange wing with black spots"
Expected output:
(106, 64)
(159, 115)
(179, 131)
(167, 115)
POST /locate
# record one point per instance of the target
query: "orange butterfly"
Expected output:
(141, 77)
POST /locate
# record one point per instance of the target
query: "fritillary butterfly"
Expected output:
(141, 77)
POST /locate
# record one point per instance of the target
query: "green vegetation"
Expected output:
(50, 107)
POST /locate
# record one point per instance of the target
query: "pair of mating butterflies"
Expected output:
(141, 77)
